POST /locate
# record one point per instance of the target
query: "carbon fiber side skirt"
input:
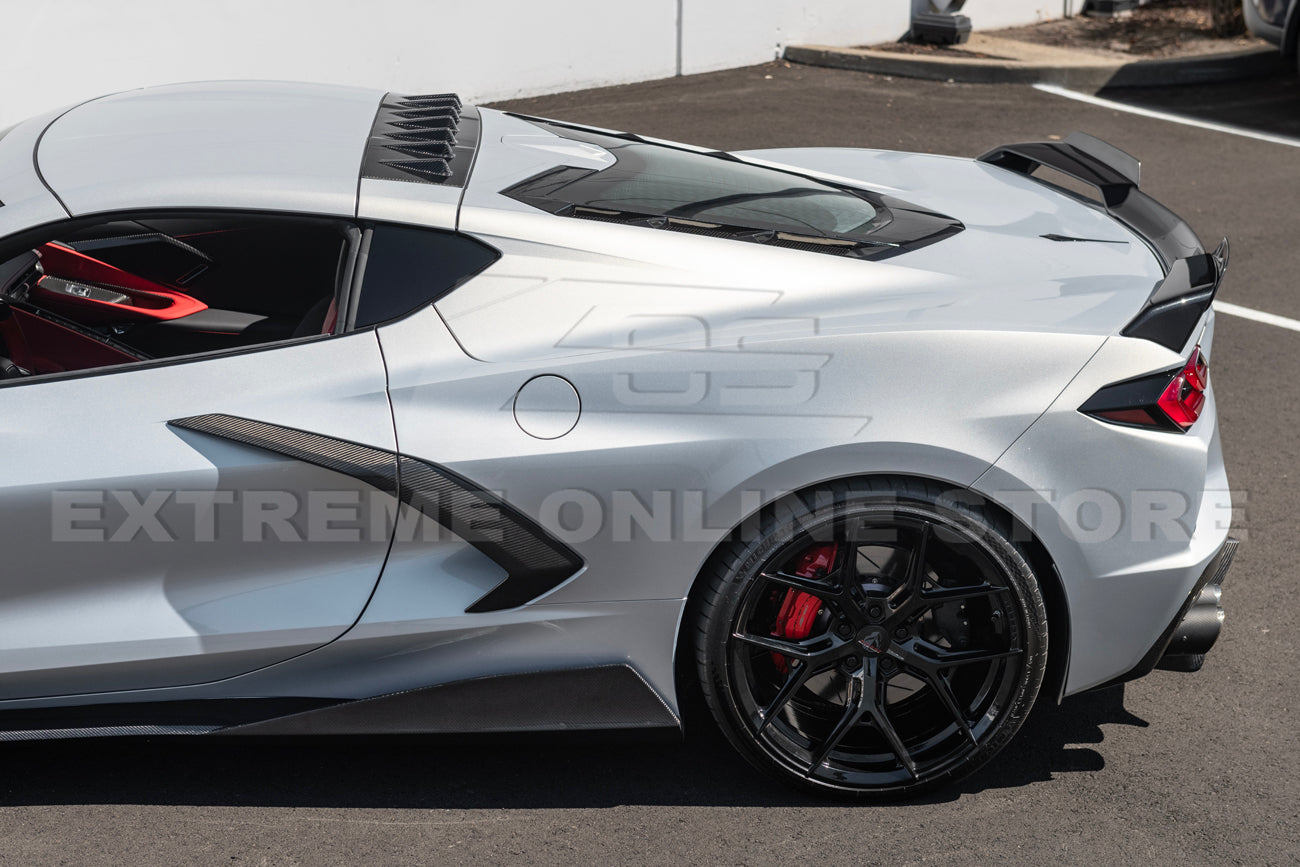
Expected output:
(600, 698)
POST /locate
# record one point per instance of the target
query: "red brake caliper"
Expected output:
(799, 609)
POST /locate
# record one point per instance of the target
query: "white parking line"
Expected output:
(1257, 315)
(1172, 118)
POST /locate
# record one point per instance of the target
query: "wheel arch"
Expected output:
(1040, 560)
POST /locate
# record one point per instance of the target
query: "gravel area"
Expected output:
(1159, 29)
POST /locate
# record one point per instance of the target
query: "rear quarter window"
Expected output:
(407, 268)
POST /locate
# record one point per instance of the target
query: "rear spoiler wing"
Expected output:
(1192, 276)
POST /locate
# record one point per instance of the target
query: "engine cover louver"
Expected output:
(429, 139)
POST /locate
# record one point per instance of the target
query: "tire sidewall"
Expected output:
(786, 526)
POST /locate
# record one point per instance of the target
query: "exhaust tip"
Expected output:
(1196, 633)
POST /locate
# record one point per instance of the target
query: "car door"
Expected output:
(182, 522)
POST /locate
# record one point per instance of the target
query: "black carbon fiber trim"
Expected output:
(601, 698)
(1115, 175)
(193, 716)
(534, 561)
(428, 139)
(568, 191)
(102, 732)
(1173, 310)
(375, 467)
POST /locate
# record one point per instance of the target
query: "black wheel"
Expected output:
(871, 640)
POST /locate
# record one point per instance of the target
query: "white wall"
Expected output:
(719, 34)
(62, 51)
(991, 14)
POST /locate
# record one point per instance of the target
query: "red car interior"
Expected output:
(127, 290)
(41, 345)
(147, 300)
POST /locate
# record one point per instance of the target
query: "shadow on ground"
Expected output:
(499, 774)
(1263, 104)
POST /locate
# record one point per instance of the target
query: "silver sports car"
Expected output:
(330, 411)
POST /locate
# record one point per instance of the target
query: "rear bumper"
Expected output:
(1193, 632)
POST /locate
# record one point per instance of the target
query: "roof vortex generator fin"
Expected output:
(429, 139)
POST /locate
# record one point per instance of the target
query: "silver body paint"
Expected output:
(712, 377)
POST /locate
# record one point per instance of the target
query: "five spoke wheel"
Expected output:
(876, 646)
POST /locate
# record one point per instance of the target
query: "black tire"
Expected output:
(923, 657)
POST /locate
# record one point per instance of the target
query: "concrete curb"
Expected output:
(1076, 70)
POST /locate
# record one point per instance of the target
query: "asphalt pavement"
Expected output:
(1176, 768)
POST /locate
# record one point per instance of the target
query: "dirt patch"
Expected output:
(1159, 29)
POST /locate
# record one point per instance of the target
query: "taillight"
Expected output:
(1184, 399)
(1170, 401)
